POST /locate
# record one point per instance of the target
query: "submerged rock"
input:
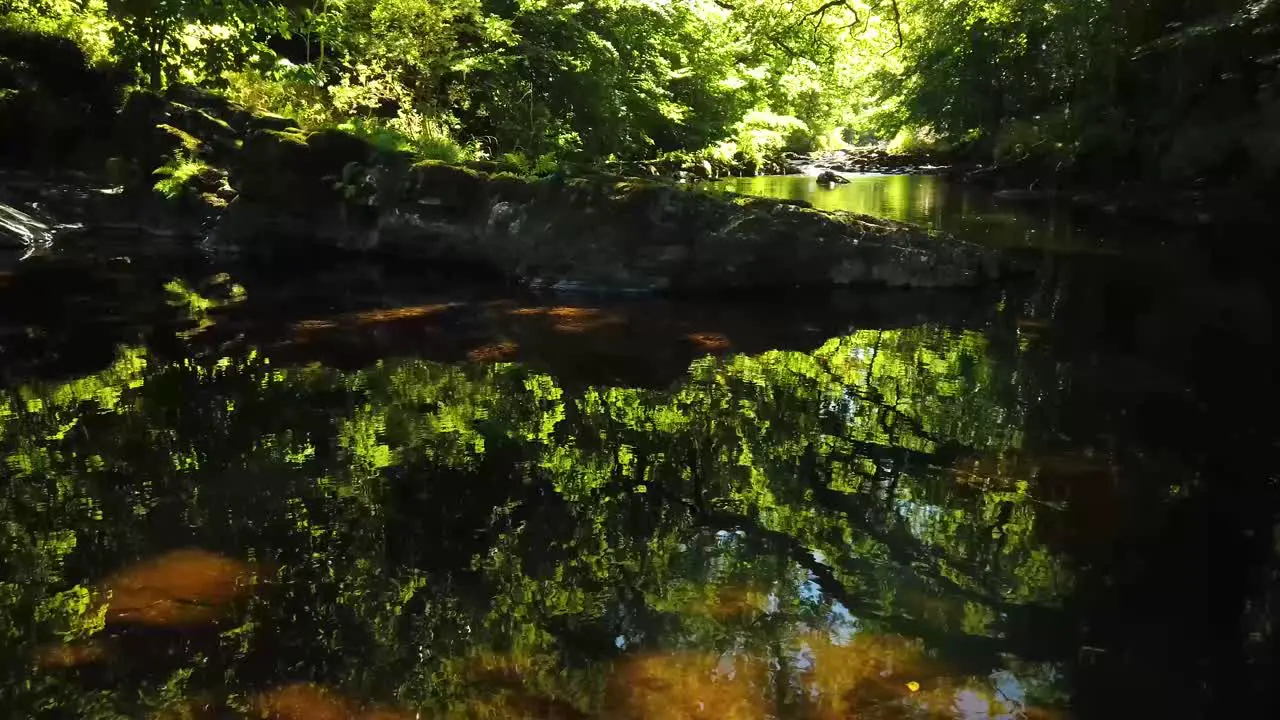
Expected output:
(61, 656)
(303, 701)
(308, 701)
(178, 589)
(686, 686)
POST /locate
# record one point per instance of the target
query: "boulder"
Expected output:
(151, 130)
(309, 188)
(290, 169)
(456, 189)
(603, 232)
(55, 110)
(648, 236)
(217, 137)
(268, 121)
(213, 105)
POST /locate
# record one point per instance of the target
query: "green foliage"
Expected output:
(284, 94)
(762, 135)
(522, 164)
(1176, 90)
(86, 22)
(179, 176)
(910, 140)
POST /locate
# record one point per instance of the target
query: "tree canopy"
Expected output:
(1171, 90)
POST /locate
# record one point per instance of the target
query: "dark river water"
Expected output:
(346, 490)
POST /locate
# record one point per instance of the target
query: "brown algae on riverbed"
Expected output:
(180, 588)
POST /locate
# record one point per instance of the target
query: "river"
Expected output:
(354, 490)
(941, 204)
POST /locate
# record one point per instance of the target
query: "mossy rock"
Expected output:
(493, 167)
(455, 188)
(510, 187)
(183, 142)
(269, 167)
(217, 136)
(212, 104)
(294, 170)
(50, 64)
(332, 148)
(267, 121)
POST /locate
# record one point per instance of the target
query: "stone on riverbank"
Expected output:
(586, 233)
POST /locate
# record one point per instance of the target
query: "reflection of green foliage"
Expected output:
(196, 306)
(426, 516)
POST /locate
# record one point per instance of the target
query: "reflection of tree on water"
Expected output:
(422, 513)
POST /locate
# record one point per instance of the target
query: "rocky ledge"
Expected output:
(598, 232)
(264, 185)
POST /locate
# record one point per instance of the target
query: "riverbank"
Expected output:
(191, 164)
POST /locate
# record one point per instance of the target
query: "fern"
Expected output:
(177, 175)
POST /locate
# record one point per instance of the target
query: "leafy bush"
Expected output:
(911, 140)
(294, 91)
(761, 133)
(425, 138)
(288, 93)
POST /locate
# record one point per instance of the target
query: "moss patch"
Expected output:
(186, 141)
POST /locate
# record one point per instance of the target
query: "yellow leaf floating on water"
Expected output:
(913, 686)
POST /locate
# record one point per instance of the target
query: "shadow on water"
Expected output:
(358, 493)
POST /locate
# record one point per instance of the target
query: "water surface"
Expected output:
(938, 203)
(353, 492)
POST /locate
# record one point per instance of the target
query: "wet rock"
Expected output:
(827, 177)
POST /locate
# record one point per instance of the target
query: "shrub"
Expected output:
(917, 139)
(290, 93)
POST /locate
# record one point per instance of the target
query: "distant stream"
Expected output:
(937, 203)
